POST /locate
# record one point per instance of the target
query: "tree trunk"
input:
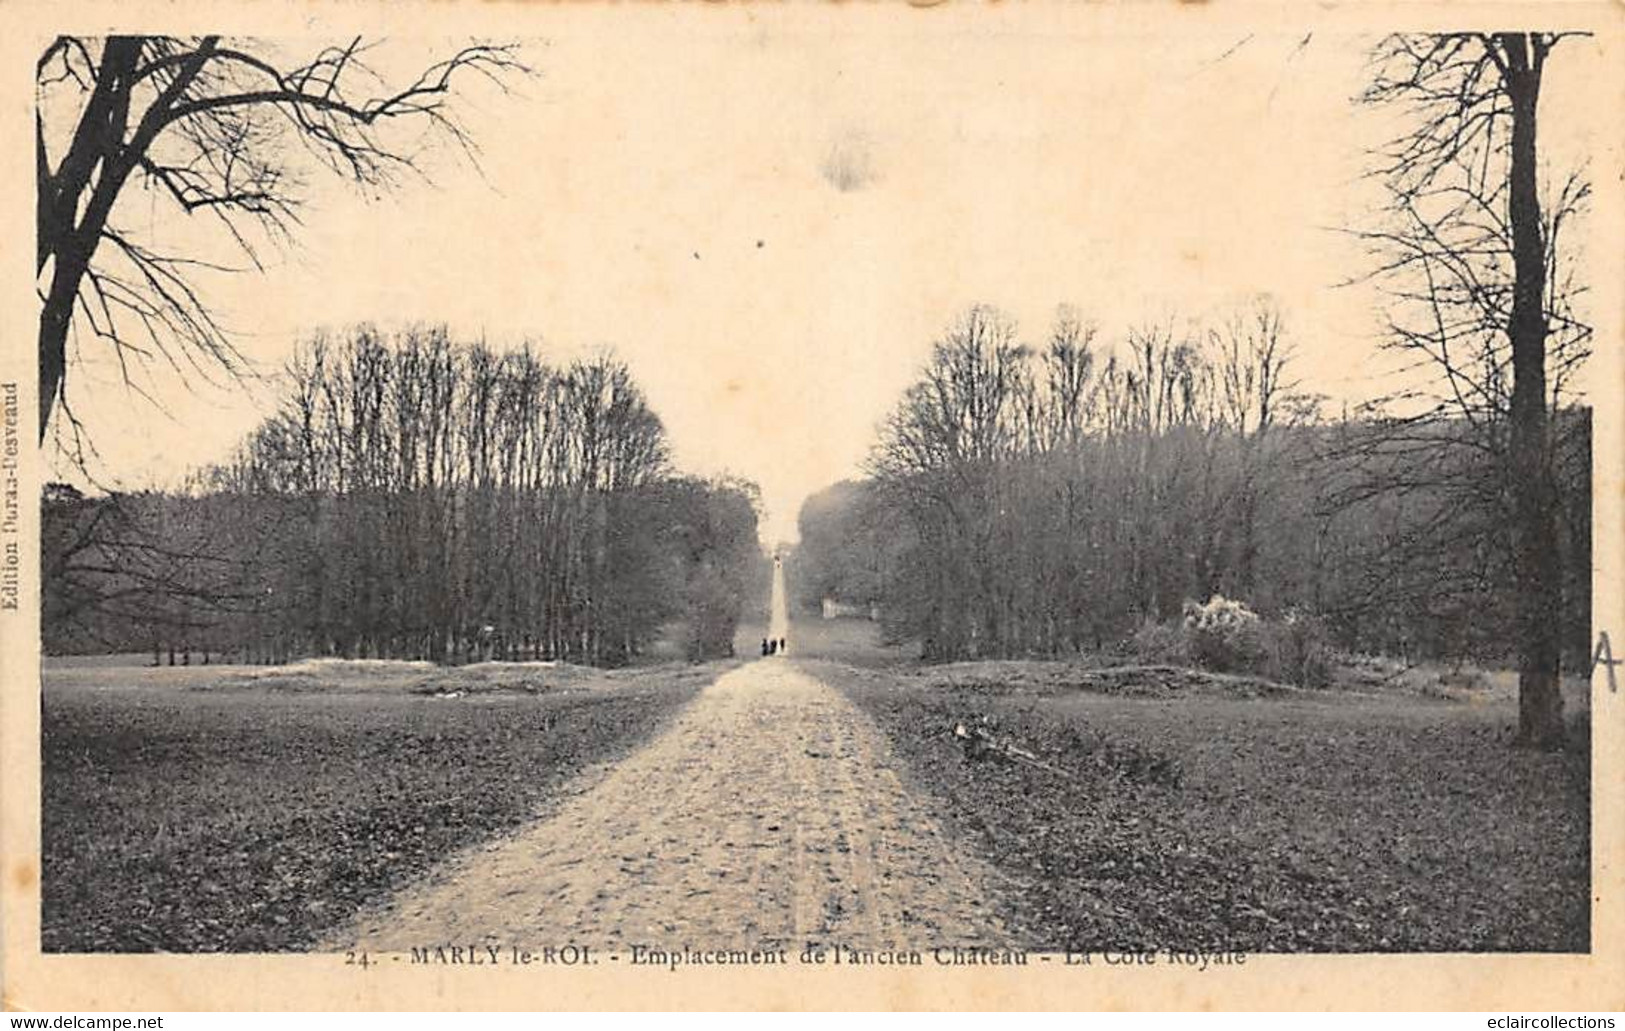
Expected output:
(55, 316)
(1537, 563)
(62, 234)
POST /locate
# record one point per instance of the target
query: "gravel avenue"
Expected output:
(767, 816)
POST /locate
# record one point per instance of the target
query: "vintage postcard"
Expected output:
(812, 505)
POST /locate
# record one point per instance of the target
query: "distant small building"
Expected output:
(848, 610)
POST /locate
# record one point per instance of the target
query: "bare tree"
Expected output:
(1484, 301)
(1069, 367)
(1252, 353)
(215, 125)
(941, 451)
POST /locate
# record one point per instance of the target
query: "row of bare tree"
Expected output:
(415, 497)
(1056, 494)
(1044, 500)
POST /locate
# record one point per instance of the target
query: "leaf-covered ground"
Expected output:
(177, 817)
(1326, 822)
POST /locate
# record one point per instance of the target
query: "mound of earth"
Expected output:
(411, 677)
(1140, 681)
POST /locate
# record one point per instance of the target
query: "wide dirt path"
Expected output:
(768, 815)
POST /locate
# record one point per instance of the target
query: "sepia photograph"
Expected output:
(1039, 496)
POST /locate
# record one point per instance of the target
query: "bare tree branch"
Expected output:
(217, 128)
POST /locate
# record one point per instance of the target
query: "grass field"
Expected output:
(255, 808)
(1297, 821)
(239, 809)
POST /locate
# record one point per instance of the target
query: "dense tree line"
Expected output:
(840, 554)
(416, 497)
(1042, 500)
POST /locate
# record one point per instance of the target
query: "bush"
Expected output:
(1226, 636)
(1160, 642)
(1296, 650)
(1223, 635)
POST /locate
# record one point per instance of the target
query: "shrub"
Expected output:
(1223, 635)
(1160, 642)
(1296, 649)
(1226, 636)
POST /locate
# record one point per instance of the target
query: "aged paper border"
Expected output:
(1514, 982)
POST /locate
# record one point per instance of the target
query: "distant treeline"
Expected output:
(1043, 500)
(416, 497)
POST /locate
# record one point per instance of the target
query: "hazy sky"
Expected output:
(771, 225)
